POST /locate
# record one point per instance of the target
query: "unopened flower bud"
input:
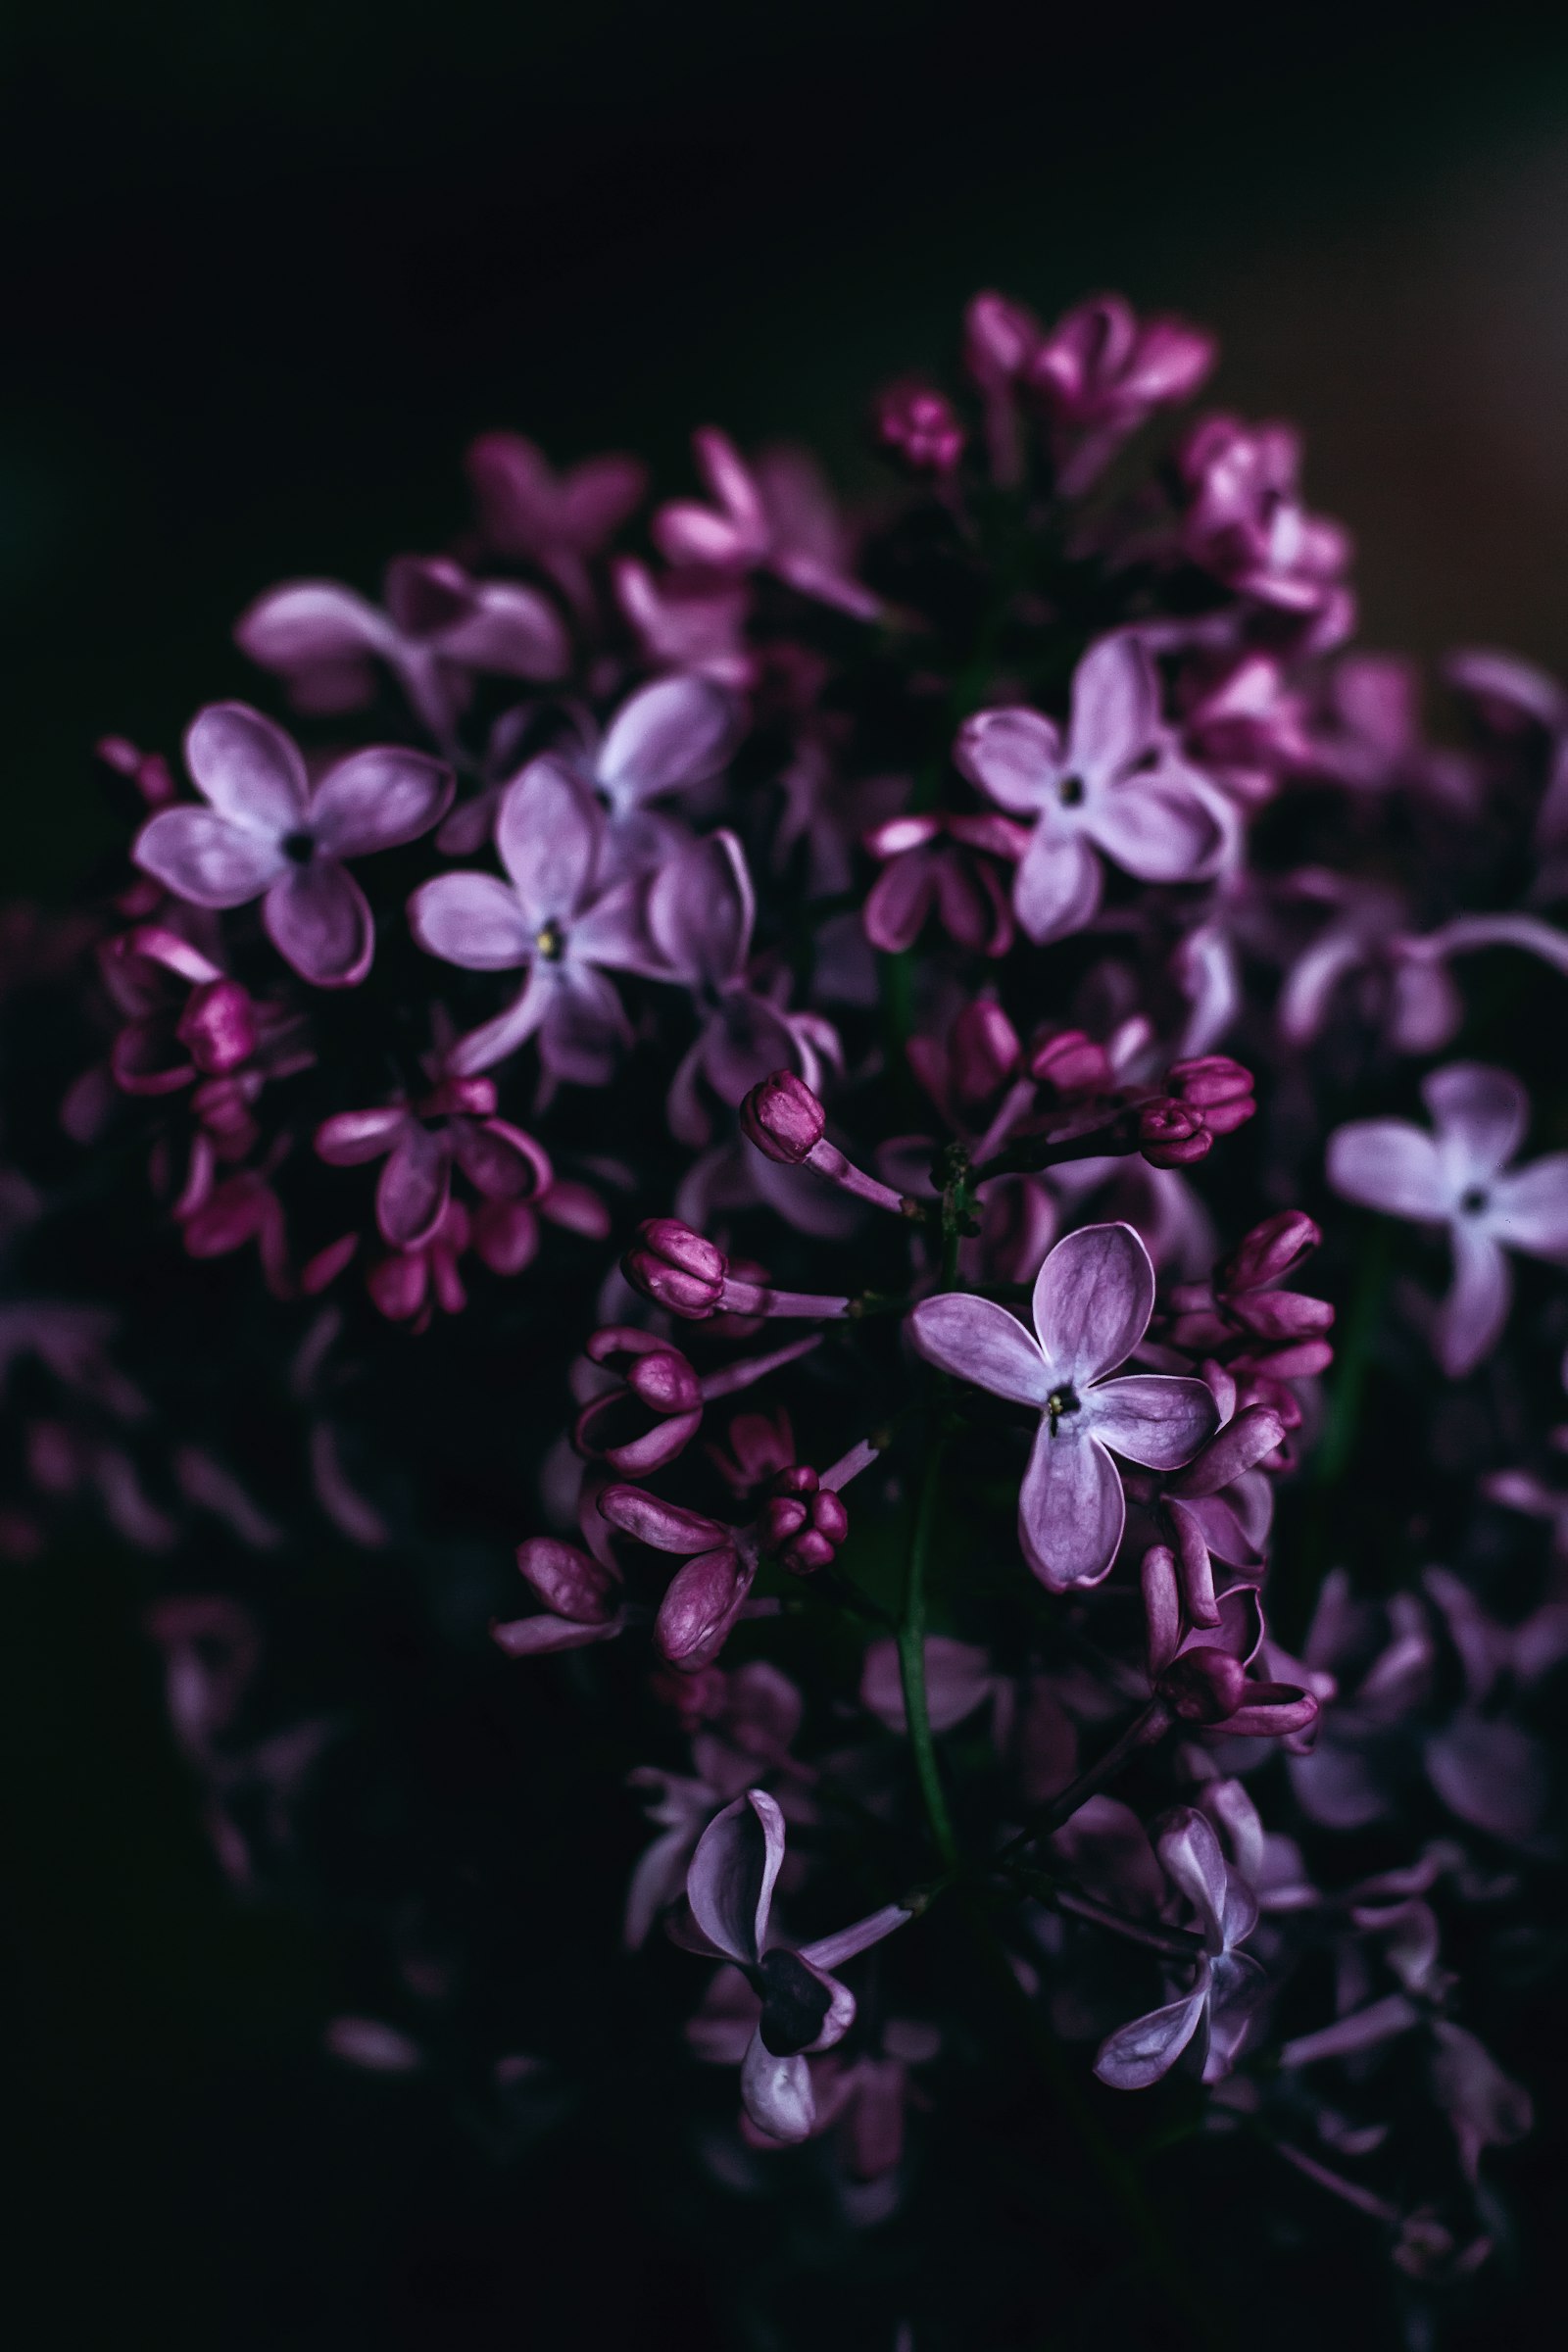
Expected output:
(701, 1605)
(1220, 1088)
(1070, 1062)
(1280, 1315)
(1204, 1685)
(783, 1118)
(984, 1050)
(677, 1268)
(802, 1525)
(1266, 1254)
(217, 1027)
(920, 428)
(1239, 1447)
(1171, 1134)
(569, 1581)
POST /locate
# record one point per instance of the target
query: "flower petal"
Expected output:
(1139, 2054)
(978, 1340)
(1057, 888)
(471, 919)
(1470, 1320)
(776, 2093)
(1529, 1209)
(1191, 1853)
(701, 910)
(1480, 1115)
(671, 733)
(730, 1883)
(1163, 827)
(1389, 1164)
(309, 625)
(511, 630)
(1014, 754)
(1092, 1300)
(317, 919)
(379, 798)
(351, 1137)
(412, 1197)
(247, 769)
(548, 832)
(1115, 709)
(1159, 1422)
(482, 1048)
(1071, 1509)
(206, 859)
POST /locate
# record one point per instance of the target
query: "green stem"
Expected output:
(911, 1663)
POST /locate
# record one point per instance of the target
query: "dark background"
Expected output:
(269, 265)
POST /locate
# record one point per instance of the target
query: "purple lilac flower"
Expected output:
(1460, 1177)
(559, 520)
(1114, 784)
(552, 916)
(776, 516)
(267, 830)
(1093, 1299)
(1213, 2018)
(421, 1143)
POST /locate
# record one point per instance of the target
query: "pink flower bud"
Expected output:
(984, 1051)
(1280, 1315)
(1171, 1134)
(1239, 1447)
(783, 1118)
(702, 1604)
(802, 1524)
(569, 1581)
(919, 426)
(1202, 1686)
(1266, 1254)
(1221, 1089)
(677, 1268)
(217, 1027)
(1000, 338)
(1070, 1062)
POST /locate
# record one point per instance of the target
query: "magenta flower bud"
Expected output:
(1070, 1062)
(1000, 338)
(985, 1050)
(1202, 1686)
(802, 1523)
(808, 1552)
(217, 1027)
(1171, 1134)
(1210, 1078)
(782, 1517)
(1280, 1315)
(783, 1118)
(920, 428)
(1239, 1446)
(677, 1268)
(1266, 1254)
(569, 1581)
(664, 1382)
(702, 1604)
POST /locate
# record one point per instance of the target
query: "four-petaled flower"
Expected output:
(1460, 1177)
(1114, 783)
(266, 830)
(1093, 1299)
(1213, 2017)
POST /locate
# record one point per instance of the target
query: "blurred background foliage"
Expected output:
(269, 265)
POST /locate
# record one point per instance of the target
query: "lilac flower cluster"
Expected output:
(837, 1033)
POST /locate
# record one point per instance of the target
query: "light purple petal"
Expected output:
(1480, 1115)
(1389, 1164)
(1529, 1209)
(548, 833)
(1057, 888)
(776, 2093)
(1092, 1300)
(377, 798)
(1491, 1774)
(1161, 828)
(412, 1196)
(317, 919)
(309, 625)
(584, 1023)
(471, 919)
(511, 630)
(831, 1951)
(1470, 1320)
(612, 932)
(1139, 2054)
(1159, 1422)
(537, 1636)
(205, 859)
(1013, 755)
(247, 769)
(482, 1048)
(1115, 709)
(732, 1875)
(701, 910)
(667, 735)
(1191, 1853)
(352, 1137)
(978, 1340)
(1071, 1509)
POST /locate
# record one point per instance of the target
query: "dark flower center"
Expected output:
(795, 2002)
(1060, 1401)
(1070, 791)
(551, 941)
(298, 848)
(1473, 1201)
